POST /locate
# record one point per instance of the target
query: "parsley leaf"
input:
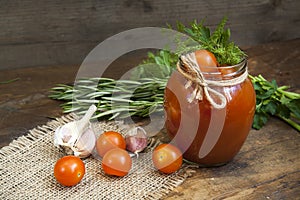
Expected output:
(158, 65)
(272, 100)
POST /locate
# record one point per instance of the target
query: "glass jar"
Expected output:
(207, 135)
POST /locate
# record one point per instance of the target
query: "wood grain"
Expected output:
(267, 167)
(42, 33)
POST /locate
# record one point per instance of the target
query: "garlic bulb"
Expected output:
(77, 137)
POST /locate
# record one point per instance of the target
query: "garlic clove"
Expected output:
(136, 140)
(86, 144)
(77, 137)
(65, 134)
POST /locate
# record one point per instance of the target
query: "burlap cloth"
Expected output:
(26, 171)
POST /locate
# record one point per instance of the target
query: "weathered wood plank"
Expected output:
(279, 62)
(24, 103)
(36, 33)
(267, 167)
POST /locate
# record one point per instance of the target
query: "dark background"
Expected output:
(46, 33)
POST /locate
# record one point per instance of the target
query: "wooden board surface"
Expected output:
(41, 33)
(267, 167)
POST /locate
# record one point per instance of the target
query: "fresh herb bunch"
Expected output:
(226, 52)
(276, 101)
(122, 98)
(117, 99)
(218, 42)
(158, 65)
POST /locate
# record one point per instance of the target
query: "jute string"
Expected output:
(188, 67)
(26, 170)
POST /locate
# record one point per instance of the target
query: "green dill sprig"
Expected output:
(218, 42)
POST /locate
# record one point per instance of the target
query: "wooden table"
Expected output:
(267, 167)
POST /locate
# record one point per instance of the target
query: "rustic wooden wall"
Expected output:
(40, 33)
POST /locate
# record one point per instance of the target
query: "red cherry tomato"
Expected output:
(167, 158)
(69, 170)
(206, 58)
(227, 72)
(208, 63)
(109, 140)
(116, 162)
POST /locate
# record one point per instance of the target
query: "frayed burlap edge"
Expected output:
(28, 141)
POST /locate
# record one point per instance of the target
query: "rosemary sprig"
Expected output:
(9, 81)
(122, 98)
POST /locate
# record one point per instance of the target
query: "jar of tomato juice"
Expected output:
(209, 110)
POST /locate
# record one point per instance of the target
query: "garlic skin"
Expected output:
(136, 140)
(77, 137)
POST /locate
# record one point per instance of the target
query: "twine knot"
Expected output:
(189, 68)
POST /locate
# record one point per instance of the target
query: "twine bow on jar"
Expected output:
(188, 67)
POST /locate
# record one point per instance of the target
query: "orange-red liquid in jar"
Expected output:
(225, 130)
